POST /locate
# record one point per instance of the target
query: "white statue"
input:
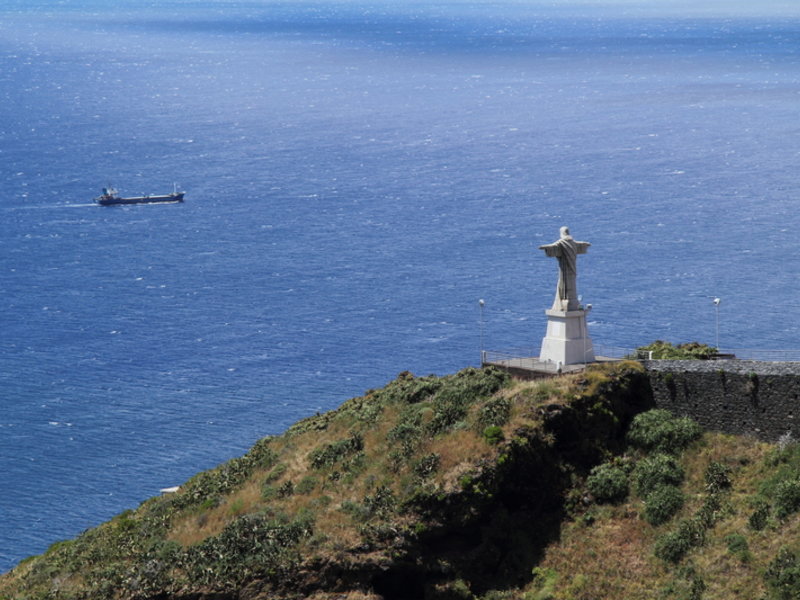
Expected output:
(566, 250)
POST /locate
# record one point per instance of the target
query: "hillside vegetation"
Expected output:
(465, 486)
(661, 350)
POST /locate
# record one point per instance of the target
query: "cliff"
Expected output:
(465, 486)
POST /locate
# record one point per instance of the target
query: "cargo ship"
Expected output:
(110, 197)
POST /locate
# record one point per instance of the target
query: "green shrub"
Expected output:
(658, 430)
(407, 428)
(447, 412)
(250, 544)
(261, 455)
(209, 503)
(380, 503)
(608, 483)
(396, 460)
(687, 351)
(320, 502)
(306, 485)
(356, 510)
(674, 545)
(275, 474)
(409, 389)
(717, 477)
(545, 581)
(493, 434)
(426, 466)
(329, 454)
(662, 504)
(450, 590)
(496, 411)
(737, 545)
(711, 511)
(269, 492)
(786, 453)
(377, 533)
(459, 391)
(366, 409)
(688, 585)
(237, 507)
(758, 520)
(286, 489)
(787, 498)
(405, 436)
(655, 471)
(781, 486)
(783, 576)
(223, 479)
(545, 391)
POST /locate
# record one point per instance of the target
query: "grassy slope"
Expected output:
(613, 557)
(608, 550)
(453, 487)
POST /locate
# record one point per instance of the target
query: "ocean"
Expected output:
(358, 176)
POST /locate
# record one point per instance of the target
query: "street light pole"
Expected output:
(716, 308)
(585, 331)
(481, 304)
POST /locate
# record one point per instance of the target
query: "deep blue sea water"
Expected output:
(358, 175)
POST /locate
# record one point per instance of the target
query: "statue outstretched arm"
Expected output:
(552, 250)
(582, 247)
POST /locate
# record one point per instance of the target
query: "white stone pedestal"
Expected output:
(567, 340)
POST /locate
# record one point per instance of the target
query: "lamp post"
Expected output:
(716, 309)
(585, 331)
(481, 304)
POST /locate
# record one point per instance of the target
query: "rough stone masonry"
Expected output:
(742, 397)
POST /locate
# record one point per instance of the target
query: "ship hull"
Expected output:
(116, 200)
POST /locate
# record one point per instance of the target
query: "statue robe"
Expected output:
(566, 250)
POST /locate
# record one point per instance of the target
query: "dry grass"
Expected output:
(737, 452)
(460, 446)
(325, 499)
(727, 574)
(200, 524)
(724, 574)
(337, 527)
(295, 458)
(541, 390)
(613, 558)
(196, 527)
(609, 559)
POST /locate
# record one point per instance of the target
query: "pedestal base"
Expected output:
(567, 340)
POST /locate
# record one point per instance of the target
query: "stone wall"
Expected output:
(734, 396)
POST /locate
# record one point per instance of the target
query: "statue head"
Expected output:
(564, 232)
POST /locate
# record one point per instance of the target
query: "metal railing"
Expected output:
(523, 356)
(514, 354)
(764, 355)
(524, 359)
(613, 351)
